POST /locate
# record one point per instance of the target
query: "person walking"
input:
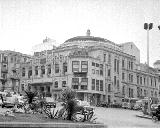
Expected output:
(2, 98)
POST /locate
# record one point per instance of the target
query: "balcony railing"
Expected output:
(80, 74)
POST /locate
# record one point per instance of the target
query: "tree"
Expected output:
(68, 97)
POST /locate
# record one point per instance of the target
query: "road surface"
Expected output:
(123, 118)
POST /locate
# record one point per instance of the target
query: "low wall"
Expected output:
(49, 125)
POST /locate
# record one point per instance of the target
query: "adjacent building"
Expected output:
(10, 63)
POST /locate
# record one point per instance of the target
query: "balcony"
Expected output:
(80, 74)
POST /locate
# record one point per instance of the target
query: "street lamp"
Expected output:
(148, 26)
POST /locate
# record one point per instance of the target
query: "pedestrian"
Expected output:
(2, 98)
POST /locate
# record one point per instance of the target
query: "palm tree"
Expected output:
(30, 96)
(68, 97)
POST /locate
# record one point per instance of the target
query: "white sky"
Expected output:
(25, 23)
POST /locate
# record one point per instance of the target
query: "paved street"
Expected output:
(123, 118)
(120, 118)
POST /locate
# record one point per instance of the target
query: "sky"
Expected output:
(26, 23)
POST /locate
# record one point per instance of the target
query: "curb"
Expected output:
(49, 125)
(146, 117)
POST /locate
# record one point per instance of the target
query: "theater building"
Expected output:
(98, 69)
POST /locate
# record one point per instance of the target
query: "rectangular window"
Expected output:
(75, 66)
(65, 67)
(104, 58)
(42, 70)
(97, 72)
(101, 69)
(118, 88)
(97, 85)
(145, 93)
(75, 83)
(84, 83)
(29, 73)
(93, 64)
(115, 80)
(93, 84)
(49, 69)
(23, 72)
(56, 84)
(36, 70)
(132, 78)
(109, 72)
(22, 87)
(137, 79)
(115, 63)
(11, 59)
(152, 93)
(101, 85)
(131, 65)
(4, 58)
(63, 83)
(117, 66)
(123, 76)
(155, 82)
(123, 64)
(144, 80)
(56, 68)
(97, 65)
(84, 66)
(109, 87)
(93, 71)
(109, 58)
(141, 80)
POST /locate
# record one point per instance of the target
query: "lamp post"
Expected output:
(148, 26)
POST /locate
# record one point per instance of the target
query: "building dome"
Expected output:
(83, 40)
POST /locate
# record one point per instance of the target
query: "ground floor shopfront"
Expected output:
(92, 98)
(43, 88)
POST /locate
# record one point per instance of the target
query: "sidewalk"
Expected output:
(49, 125)
(144, 116)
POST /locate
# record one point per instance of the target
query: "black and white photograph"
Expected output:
(80, 63)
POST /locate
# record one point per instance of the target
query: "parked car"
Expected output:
(9, 101)
(85, 104)
(50, 102)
